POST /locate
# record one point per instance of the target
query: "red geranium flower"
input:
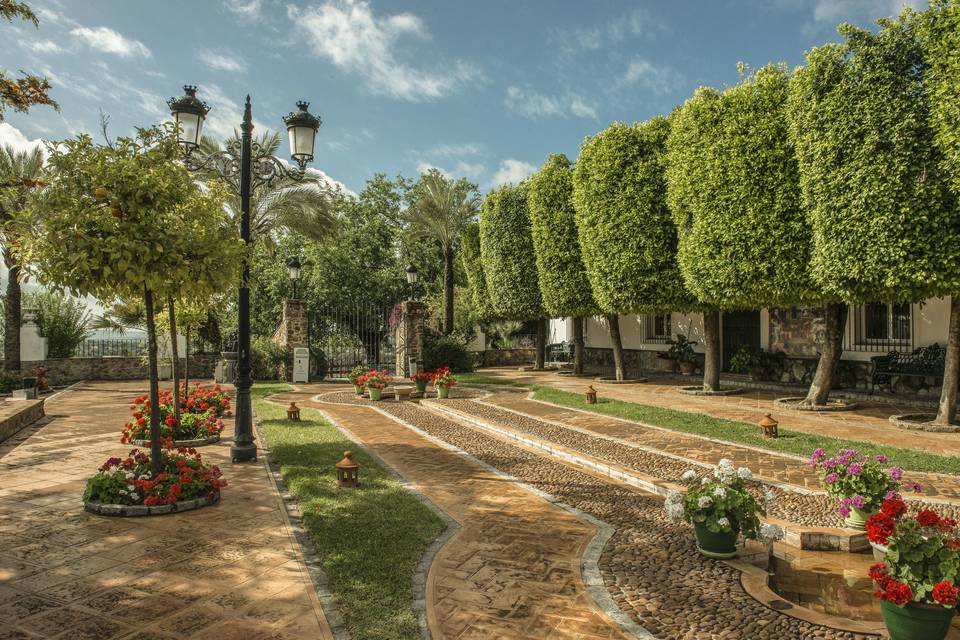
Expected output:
(893, 507)
(945, 593)
(880, 527)
(896, 592)
(927, 518)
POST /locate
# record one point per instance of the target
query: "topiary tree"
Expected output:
(509, 265)
(885, 226)
(627, 238)
(940, 37)
(473, 268)
(127, 220)
(564, 285)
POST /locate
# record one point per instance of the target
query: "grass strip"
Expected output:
(369, 540)
(795, 442)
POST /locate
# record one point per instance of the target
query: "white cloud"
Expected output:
(637, 22)
(470, 170)
(49, 15)
(44, 46)
(225, 61)
(244, 8)
(13, 137)
(225, 115)
(530, 104)
(834, 11)
(456, 150)
(512, 171)
(658, 78)
(109, 41)
(348, 34)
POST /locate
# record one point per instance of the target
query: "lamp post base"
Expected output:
(246, 452)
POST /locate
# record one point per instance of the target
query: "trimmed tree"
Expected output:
(473, 268)
(564, 285)
(627, 239)
(885, 226)
(128, 220)
(509, 265)
(940, 37)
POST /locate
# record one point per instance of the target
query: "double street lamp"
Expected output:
(245, 165)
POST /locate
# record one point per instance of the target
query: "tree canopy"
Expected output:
(473, 268)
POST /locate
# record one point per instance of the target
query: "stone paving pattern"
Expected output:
(650, 565)
(231, 571)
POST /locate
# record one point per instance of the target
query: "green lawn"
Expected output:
(795, 442)
(369, 539)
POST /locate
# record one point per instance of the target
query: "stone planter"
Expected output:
(879, 551)
(916, 621)
(375, 394)
(139, 510)
(443, 393)
(720, 546)
(185, 444)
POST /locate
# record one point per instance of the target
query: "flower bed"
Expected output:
(199, 424)
(127, 487)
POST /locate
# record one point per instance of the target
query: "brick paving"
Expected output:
(513, 568)
(227, 571)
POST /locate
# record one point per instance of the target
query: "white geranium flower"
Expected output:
(725, 463)
(769, 532)
(720, 492)
(723, 522)
(674, 497)
(704, 501)
(688, 475)
(744, 473)
(704, 482)
(675, 511)
(769, 497)
(129, 474)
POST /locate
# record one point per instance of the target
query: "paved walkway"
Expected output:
(232, 571)
(869, 423)
(513, 568)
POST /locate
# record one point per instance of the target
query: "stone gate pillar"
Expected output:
(292, 331)
(408, 337)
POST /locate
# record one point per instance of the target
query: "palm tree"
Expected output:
(441, 210)
(19, 175)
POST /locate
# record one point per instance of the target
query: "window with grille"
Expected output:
(657, 328)
(880, 326)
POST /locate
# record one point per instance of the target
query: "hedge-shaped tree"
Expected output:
(940, 36)
(509, 265)
(734, 190)
(473, 268)
(563, 279)
(627, 238)
(884, 224)
(129, 220)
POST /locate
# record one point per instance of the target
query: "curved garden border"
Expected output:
(183, 444)
(609, 380)
(922, 422)
(139, 510)
(832, 405)
(700, 391)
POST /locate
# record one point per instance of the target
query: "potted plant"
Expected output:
(858, 482)
(421, 378)
(681, 350)
(354, 377)
(442, 380)
(375, 381)
(666, 361)
(720, 509)
(917, 580)
(759, 364)
(43, 383)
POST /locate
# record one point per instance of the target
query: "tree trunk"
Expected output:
(175, 357)
(614, 323)
(541, 345)
(947, 411)
(186, 366)
(578, 345)
(711, 346)
(155, 454)
(835, 319)
(448, 290)
(11, 316)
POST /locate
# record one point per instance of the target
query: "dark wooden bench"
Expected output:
(920, 363)
(560, 352)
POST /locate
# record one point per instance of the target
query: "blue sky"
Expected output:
(481, 89)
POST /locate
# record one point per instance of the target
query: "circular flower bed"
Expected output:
(922, 422)
(698, 390)
(127, 486)
(199, 424)
(799, 404)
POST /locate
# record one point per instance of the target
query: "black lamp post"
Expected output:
(244, 165)
(293, 268)
(412, 280)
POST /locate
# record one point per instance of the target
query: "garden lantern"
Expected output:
(302, 130)
(769, 426)
(293, 268)
(411, 274)
(348, 472)
(591, 395)
(293, 412)
(188, 113)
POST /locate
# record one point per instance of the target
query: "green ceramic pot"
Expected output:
(721, 545)
(375, 393)
(857, 519)
(443, 392)
(421, 386)
(357, 389)
(916, 621)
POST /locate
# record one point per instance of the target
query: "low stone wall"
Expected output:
(17, 414)
(505, 357)
(69, 370)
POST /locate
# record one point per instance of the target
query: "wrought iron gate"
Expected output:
(343, 336)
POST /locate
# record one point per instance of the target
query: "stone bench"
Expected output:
(402, 393)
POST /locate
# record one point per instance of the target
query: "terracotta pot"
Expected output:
(688, 368)
(666, 364)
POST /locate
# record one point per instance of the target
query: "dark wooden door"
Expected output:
(740, 329)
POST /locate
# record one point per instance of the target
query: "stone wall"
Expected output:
(506, 357)
(635, 361)
(69, 370)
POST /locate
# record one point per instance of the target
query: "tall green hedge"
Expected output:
(940, 35)
(884, 226)
(734, 190)
(473, 268)
(563, 278)
(506, 248)
(627, 238)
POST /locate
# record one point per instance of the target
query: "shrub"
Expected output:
(63, 320)
(9, 380)
(268, 360)
(446, 351)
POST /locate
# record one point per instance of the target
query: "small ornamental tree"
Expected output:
(627, 238)
(940, 37)
(563, 279)
(127, 220)
(473, 268)
(509, 265)
(885, 225)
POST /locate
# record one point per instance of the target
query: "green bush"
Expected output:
(10, 380)
(63, 320)
(473, 268)
(268, 360)
(446, 351)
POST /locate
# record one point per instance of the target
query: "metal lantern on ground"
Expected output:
(348, 472)
(188, 113)
(293, 412)
(591, 395)
(769, 426)
(302, 129)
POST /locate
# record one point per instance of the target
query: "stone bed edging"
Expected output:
(140, 510)
(921, 422)
(183, 444)
(793, 403)
(589, 565)
(698, 390)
